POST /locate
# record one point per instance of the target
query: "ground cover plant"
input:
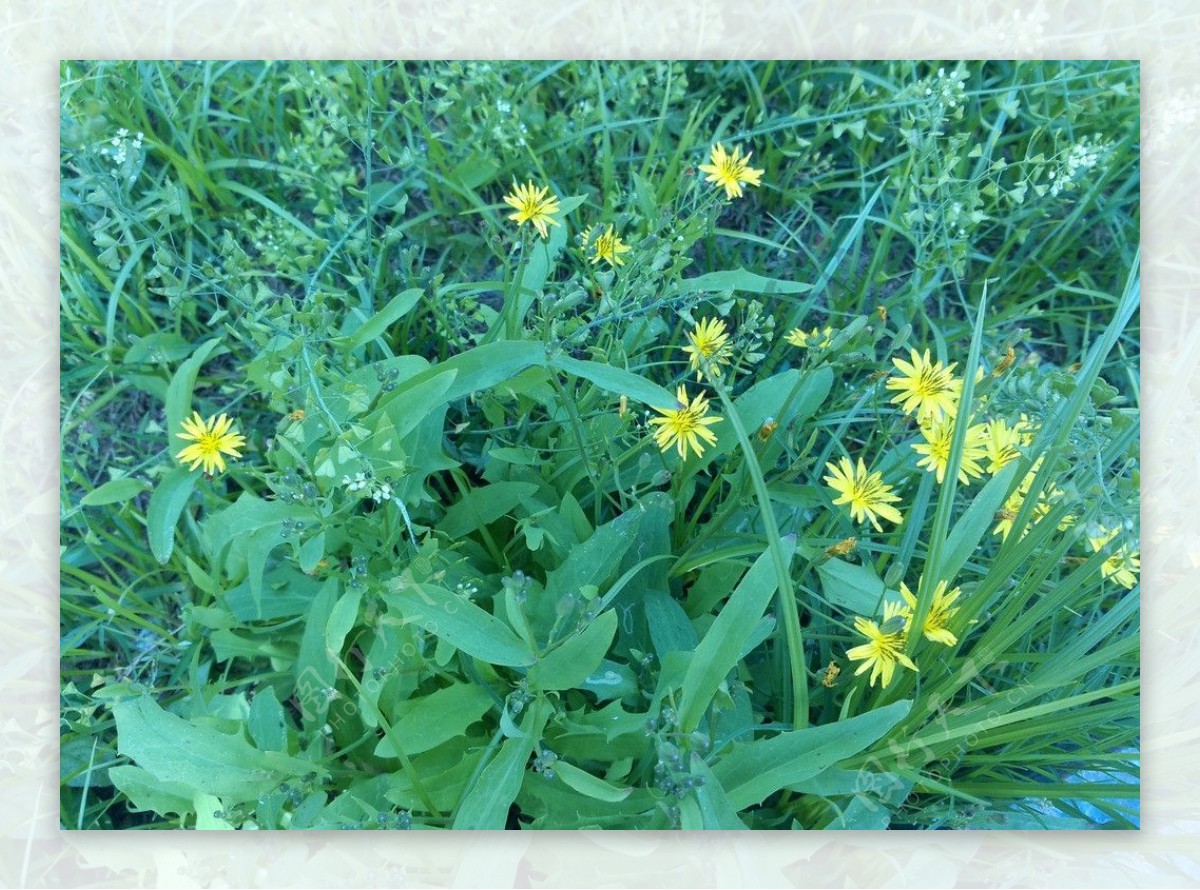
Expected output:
(623, 445)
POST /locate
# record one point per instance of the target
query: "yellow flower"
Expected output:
(936, 448)
(1001, 443)
(815, 338)
(709, 347)
(1122, 566)
(884, 647)
(939, 614)
(730, 170)
(926, 387)
(609, 246)
(210, 438)
(685, 426)
(865, 492)
(1041, 509)
(533, 205)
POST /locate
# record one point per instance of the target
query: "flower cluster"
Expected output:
(886, 642)
(537, 205)
(929, 391)
(364, 482)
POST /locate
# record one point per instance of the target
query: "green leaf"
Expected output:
(718, 652)
(569, 665)
(173, 750)
(167, 502)
(315, 670)
(451, 617)
(617, 381)
(484, 505)
(266, 722)
(341, 619)
(406, 407)
(486, 803)
(147, 792)
(424, 723)
(741, 280)
(482, 367)
(716, 812)
(752, 771)
(114, 491)
(855, 588)
(179, 392)
(587, 784)
(975, 521)
(398, 307)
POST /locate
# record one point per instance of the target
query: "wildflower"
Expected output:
(866, 493)
(938, 435)
(210, 438)
(1041, 509)
(884, 646)
(533, 205)
(1122, 566)
(767, 430)
(709, 347)
(1000, 443)
(298, 415)
(926, 387)
(685, 426)
(609, 246)
(815, 339)
(730, 170)
(939, 614)
(358, 483)
(381, 493)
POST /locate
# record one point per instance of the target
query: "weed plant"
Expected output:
(621, 445)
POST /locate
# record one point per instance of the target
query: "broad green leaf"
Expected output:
(179, 392)
(484, 505)
(199, 757)
(266, 722)
(207, 807)
(855, 588)
(169, 498)
(451, 617)
(113, 492)
(569, 665)
(617, 381)
(341, 619)
(741, 280)
(408, 407)
(485, 366)
(398, 307)
(718, 652)
(787, 398)
(597, 559)
(312, 551)
(486, 804)
(149, 793)
(716, 812)
(968, 530)
(587, 784)
(752, 771)
(315, 670)
(424, 723)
